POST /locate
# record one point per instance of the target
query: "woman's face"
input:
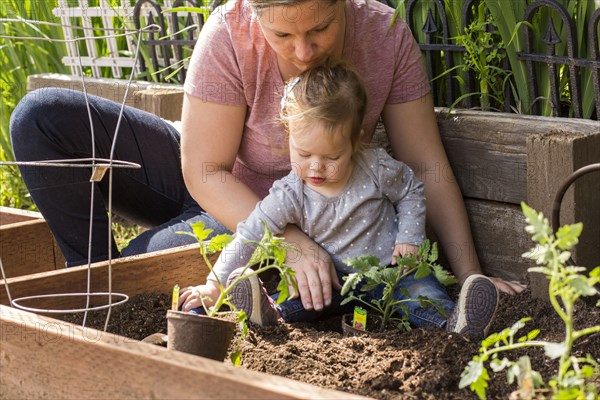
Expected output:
(305, 34)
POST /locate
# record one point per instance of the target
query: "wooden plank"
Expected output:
(155, 272)
(167, 103)
(488, 151)
(487, 170)
(552, 158)
(46, 358)
(500, 238)
(28, 247)
(9, 215)
(164, 100)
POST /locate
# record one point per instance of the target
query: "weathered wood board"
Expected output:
(155, 272)
(44, 358)
(26, 244)
(10, 215)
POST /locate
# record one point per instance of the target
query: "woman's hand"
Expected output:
(315, 273)
(510, 287)
(192, 295)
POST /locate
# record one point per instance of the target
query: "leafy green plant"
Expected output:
(509, 25)
(270, 253)
(483, 56)
(567, 285)
(370, 274)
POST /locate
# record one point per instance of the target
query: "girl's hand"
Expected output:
(192, 295)
(315, 273)
(402, 249)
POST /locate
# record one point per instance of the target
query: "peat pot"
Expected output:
(348, 328)
(199, 334)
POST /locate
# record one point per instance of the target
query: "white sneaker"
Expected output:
(476, 307)
(250, 296)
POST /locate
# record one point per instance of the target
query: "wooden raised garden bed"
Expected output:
(26, 243)
(499, 160)
(42, 357)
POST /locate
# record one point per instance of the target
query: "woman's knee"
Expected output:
(39, 115)
(38, 105)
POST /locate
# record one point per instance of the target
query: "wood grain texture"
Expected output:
(9, 215)
(155, 272)
(44, 358)
(552, 158)
(28, 247)
(500, 238)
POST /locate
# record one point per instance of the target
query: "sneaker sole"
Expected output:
(480, 302)
(243, 292)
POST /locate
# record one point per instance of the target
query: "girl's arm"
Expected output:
(210, 139)
(415, 139)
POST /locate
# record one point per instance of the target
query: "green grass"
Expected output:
(19, 59)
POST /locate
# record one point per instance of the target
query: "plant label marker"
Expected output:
(360, 319)
(175, 298)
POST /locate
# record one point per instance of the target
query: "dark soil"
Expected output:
(419, 364)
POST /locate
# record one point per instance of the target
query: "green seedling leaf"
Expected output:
(555, 350)
(587, 371)
(581, 285)
(533, 334)
(541, 254)
(363, 263)
(199, 231)
(422, 271)
(444, 276)
(242, 320)
(219, 242)
(388, 275)
(259, 255)
(373, 278)
(236, 358)
(520, 324)
(498, 365)
(350, 282)
(493, 339)
(286, 282)
(424, 250)
(538, 226)
(433, 255)
(568, 236)
(476, 377)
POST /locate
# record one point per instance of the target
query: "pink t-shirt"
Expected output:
(233, 64)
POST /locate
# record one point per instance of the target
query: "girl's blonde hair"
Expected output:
(332, 94)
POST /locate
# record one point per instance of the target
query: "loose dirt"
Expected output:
(418, 364)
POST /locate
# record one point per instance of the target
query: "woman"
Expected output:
(232, 148)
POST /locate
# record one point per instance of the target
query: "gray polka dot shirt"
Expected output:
(382, 205)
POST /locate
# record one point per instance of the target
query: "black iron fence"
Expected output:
(553, 78)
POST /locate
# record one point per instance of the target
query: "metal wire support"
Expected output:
(563, 189)
(99, 167)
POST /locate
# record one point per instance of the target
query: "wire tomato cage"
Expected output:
(98, 166)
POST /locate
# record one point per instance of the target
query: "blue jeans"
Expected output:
(51, 124)
(293, 311)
